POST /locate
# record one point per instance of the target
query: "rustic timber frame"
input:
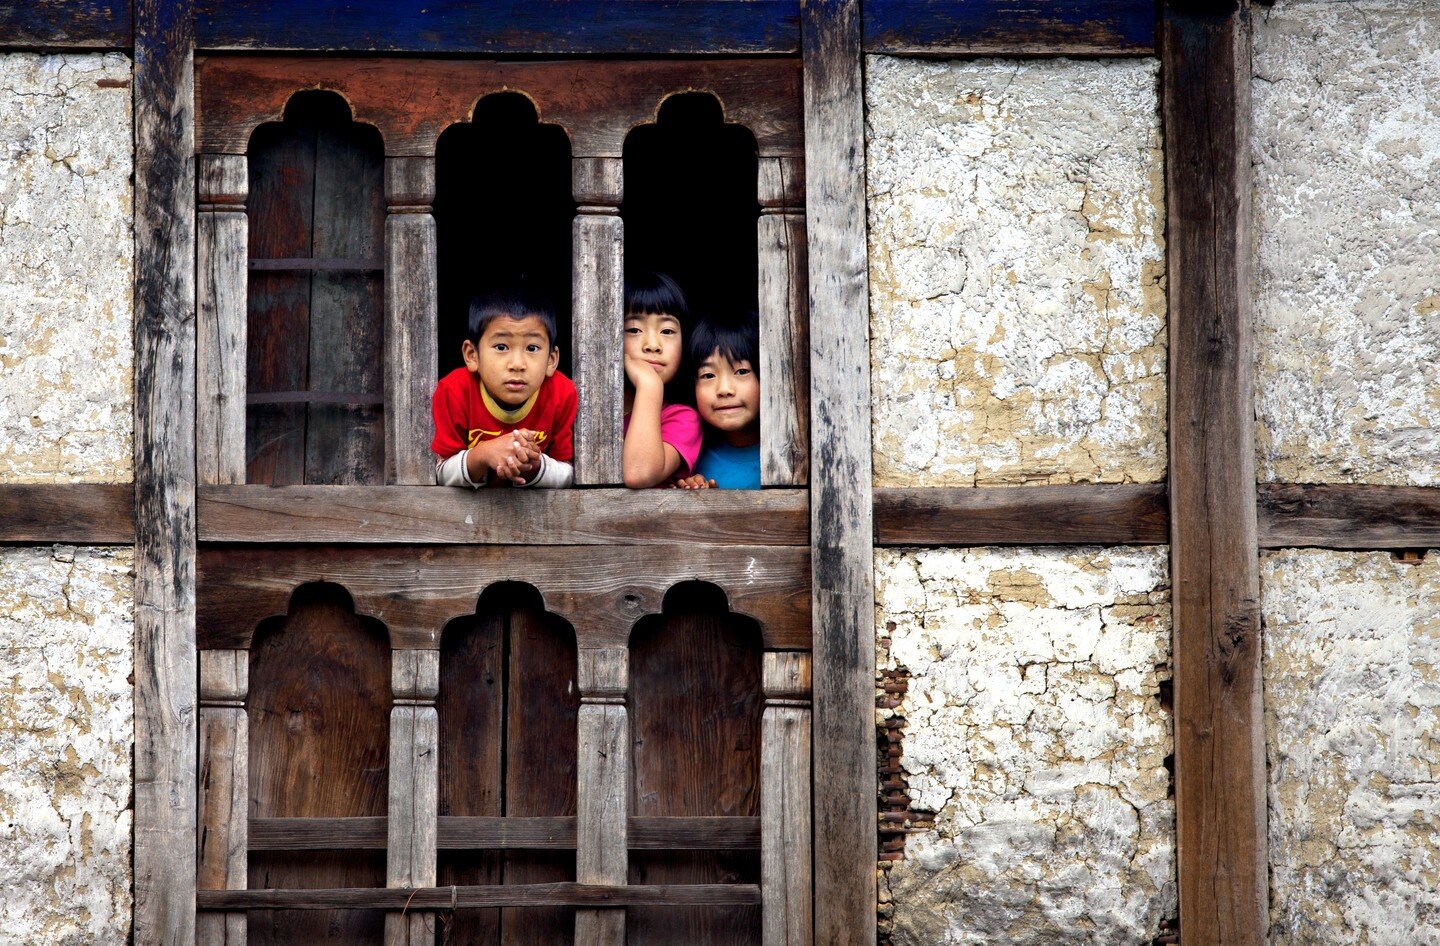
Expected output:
(1209, 510)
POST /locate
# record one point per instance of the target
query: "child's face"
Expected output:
(513, 359)
(655, 339)
(727, 394)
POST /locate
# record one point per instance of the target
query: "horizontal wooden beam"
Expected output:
(517, 895)
(78, 513)
(1349, 516)
(500, 27)
(431, 515)
(1094, 514)
(66, 24)
(1010, 27)
(458, 833)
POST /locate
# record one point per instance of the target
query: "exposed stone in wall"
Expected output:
(1347, 174)
(1035, 733)
(66, 265)
(66, 730)
(1352, 711)
(1016, 271)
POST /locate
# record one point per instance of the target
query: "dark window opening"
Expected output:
(503, 215)
(316, 302)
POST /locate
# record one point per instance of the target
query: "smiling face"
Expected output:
(655, 339)
(727, 395)
(513, 359)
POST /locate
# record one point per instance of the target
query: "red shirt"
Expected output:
(462, 418)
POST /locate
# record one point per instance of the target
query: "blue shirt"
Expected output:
(730, 467)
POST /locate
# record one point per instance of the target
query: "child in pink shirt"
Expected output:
(662, 434)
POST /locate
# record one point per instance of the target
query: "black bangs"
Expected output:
(651, 293)
(736, 339)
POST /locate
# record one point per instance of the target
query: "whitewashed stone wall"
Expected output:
(1352, 707)
(1347, 221)
(65, 741)
(1035, 733)
(65, 268)
(66, 639)
(1016, 271)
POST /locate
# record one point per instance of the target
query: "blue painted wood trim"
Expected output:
(1079, 27)
(65, 24)
(499, 27)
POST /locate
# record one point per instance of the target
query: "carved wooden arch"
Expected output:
(412, 101)
(285, 114)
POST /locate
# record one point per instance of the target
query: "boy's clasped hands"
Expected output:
(515, 456)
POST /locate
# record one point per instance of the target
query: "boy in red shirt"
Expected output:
(508, 414)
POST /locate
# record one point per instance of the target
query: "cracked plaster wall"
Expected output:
(1352, 713)
(66, 731)
(66, 265)
(1016, 216)
(1346, 145)
(1035, 733)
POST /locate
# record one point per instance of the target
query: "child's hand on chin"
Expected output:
(641, 373)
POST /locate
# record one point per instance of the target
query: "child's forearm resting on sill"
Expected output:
(475, 466)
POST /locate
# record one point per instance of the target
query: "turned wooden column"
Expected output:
(223, 813)
(602, 845)
(599, 316)
(785, 800)
(412, 812)
(221, 286)
(411, 302)
(784, 325)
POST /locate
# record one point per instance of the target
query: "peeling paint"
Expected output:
(66, 268)
(1352, 718)
(66, 732)
(1034, 732)
(1017, 287)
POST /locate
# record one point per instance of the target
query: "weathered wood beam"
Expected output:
(165, 662)
(495, 895)
(79, 513)
(1089, 514)
(471, 833)
(66, 24)
(1219, 729)
(842, 563)
(786, 871)
(1349, 517)
(222, 843)
(601, 847)
(413, 803)
(1010, 27)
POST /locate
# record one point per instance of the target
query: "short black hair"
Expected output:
(510, 304)
(736, 339)
(652, 293)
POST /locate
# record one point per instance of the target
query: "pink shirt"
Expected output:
(680, 428)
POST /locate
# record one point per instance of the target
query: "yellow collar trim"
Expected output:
(507, 415)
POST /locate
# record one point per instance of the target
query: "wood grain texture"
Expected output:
(598, 307)
(85, 514)
(222, 842)
(497, 27)
(1341, 516)
(1010, 27)
(411, 101)
(501, 833)
(222, 240)
(603, 751)
(1219, 732)
(470, 898)
(166, 737)
(411, 306)
(785, 853)
(1089, 514)
(415, 590)
(784, 326)
(429, 515)
(842, 580)
(66, 24)
(412, 807)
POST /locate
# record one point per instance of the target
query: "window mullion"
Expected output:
(411, 302)
(221, 257)
(599, 309)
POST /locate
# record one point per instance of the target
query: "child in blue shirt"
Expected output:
(727, 393)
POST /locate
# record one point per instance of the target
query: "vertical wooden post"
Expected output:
(599, 315)
(414, 802)
(784, 325)
(221, 265)
(601, 850)
(165, 663)
(1219, 736)
(221, 845)
(785, 800)
(411, 303)
(841, 537)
